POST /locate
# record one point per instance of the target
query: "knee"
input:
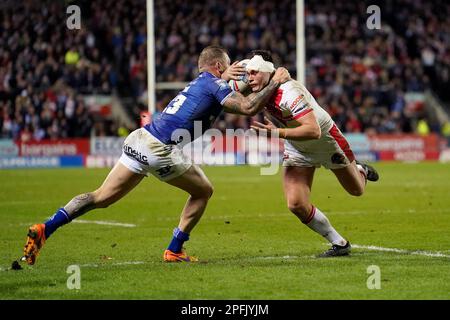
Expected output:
(356, 192)
(208, 191)
(299, 208)
(204, 192)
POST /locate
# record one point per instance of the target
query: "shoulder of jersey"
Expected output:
(294, 87)
(288, 84)
(221, 83)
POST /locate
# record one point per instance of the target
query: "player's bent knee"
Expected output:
(299, 208)
(204, 191)
(208, 191)
(356, 192)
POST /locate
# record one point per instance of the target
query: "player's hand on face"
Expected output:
(233, 72)
(281, 75)
(259, 127)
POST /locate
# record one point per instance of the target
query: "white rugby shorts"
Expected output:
(331, 151)
(143, 153)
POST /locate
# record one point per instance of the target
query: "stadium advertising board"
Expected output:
(105, 151)
(101, 161)
(213, 150)
(8, 148)
(106, 146)
(234, 149)
(445, 155)
(360, 145)
(41, 162)
(63, 147)
(405, 147)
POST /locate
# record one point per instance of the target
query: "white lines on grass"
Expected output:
(99, 222)
(125, 263)
(276, 257)
(106, 223)
(403, 251)
(286, 257)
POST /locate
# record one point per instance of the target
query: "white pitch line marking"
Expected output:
(279, 257)
(106, 223)
(125, 263)
(417, 252)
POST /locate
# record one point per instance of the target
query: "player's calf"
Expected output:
(352, 179)
(314, 219)
(83, 203)
(301, 209)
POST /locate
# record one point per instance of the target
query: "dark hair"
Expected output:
(265, 54)
(211, 55)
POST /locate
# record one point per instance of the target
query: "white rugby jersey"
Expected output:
(292, 101)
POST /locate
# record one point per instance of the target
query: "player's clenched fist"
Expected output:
(281, 75)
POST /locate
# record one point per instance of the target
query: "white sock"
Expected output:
(319, 223)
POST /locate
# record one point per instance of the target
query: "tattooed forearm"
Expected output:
(252, 104)
(80, 205)
(258, 99)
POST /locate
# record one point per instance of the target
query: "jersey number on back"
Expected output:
(177, 103)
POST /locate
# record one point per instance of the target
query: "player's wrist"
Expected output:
(282, 133)
(274, 82)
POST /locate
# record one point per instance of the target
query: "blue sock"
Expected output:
(179, 237)
(60, 218)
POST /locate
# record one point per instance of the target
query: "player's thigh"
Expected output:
(350, 178)
(193, 181)
(297, 182)
(119, 182)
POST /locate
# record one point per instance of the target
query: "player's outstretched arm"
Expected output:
(255, 102)
(306, 129)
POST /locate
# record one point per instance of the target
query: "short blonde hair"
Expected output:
(210, 55)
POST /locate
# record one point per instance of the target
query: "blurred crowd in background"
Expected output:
(360, 76)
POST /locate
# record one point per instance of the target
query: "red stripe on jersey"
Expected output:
(273, 106)
(278, 96)
(342, 142)
(235, 85)
(301, 114)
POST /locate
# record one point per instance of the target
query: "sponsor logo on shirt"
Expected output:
(297, 106)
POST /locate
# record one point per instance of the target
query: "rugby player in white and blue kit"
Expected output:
(153, 149)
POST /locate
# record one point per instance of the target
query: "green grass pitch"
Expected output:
(249, 244)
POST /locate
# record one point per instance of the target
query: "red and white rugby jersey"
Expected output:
(291, 102)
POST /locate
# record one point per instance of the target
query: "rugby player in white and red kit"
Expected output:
(311, 140)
